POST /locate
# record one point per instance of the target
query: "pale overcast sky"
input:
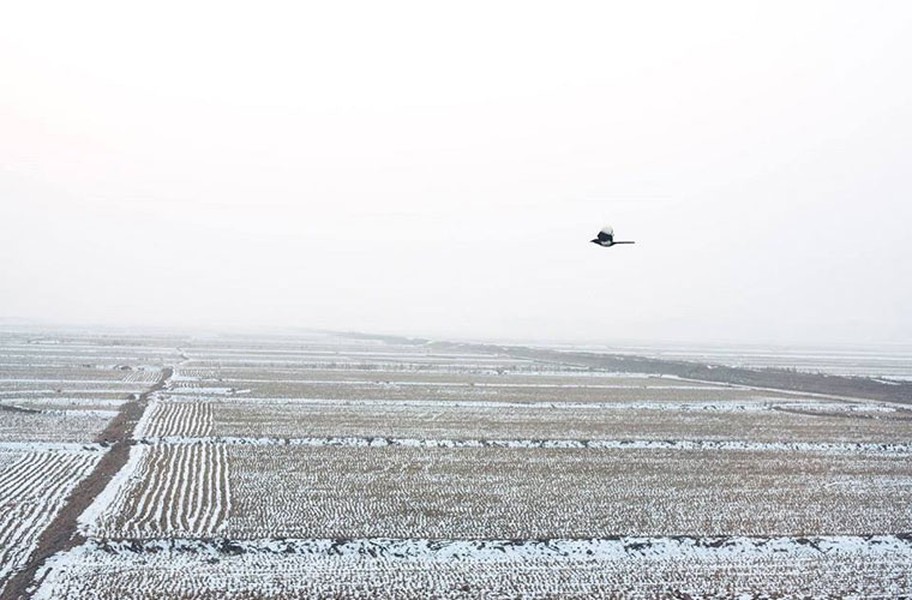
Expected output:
(438, 168)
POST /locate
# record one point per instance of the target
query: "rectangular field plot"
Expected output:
(544, 375)
(81, 348)
(12, 392)
(348, 358)
(35, 480)
(777, 420)
(100, 374)
(640, 568)
(540, 493)
(181, 489)
(61, 402)
(598, 391)
(392, 362)
(83, 425)
(338, 491)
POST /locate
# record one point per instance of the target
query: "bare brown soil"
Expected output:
(62, 533)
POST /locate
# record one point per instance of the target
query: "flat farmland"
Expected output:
(34, 482)
(58, 394)
(33, 425)
(179, 490)
(388, 386)
(766, 420)
(322, 465)
(18, 390)
(544, 375)
(57, 388)
(629, 567)
(401, 491)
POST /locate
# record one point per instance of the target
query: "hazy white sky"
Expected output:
(438, 168)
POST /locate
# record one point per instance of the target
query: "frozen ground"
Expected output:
(35, 479)
(315, 465)
(369, 568)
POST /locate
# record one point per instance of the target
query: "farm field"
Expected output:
(340, 491)
(67, 388)
(765, 419)
(34, 482)
(626, 567)
(58, 394)
(463, 387)
(892, 361)
(322, 465)
(54, 425)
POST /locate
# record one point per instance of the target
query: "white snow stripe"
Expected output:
(594, 444)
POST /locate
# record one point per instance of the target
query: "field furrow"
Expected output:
(503, 492)
(33, 488)
(168, 417)
(178, 488)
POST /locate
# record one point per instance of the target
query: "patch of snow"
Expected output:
(486, 550)
(51, 447)
(711, 445)
(107, 498)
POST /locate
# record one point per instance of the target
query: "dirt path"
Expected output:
(62, 533)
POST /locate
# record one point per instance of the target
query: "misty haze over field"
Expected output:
(438, 170)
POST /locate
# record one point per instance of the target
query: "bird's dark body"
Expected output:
(605, 239)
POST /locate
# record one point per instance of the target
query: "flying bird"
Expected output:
(605, 238)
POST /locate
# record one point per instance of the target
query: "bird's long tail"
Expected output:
(625, 242)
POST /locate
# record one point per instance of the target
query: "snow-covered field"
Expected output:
(835, 567)
(535, 493)
(181, 489)
(519, 489)
(53, 425)
(890, 361)
(176, 418)
(313, 465)
(766, 418)
(35, 479)
(68, 388)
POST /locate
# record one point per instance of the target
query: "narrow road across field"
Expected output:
(62, 534)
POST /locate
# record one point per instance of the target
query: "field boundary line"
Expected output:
(601, 548)
(867, 448)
